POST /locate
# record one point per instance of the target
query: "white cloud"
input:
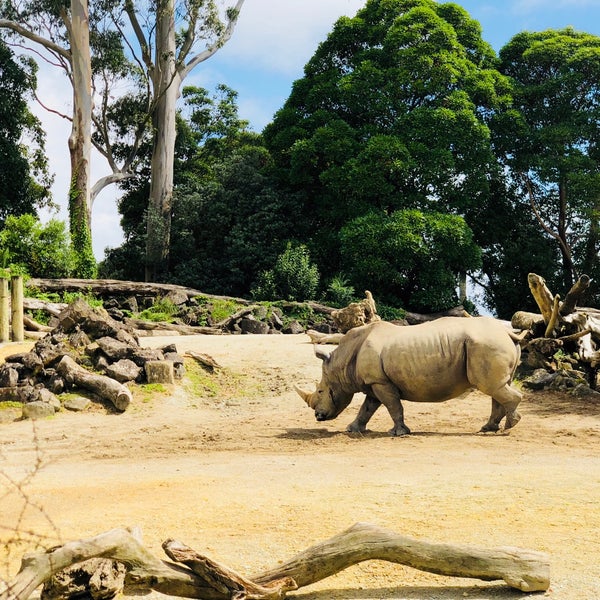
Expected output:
(281, 36)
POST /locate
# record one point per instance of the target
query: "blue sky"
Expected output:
(272, 42)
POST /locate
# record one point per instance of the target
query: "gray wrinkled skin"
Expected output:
(431, 362)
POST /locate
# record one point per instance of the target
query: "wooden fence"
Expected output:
(11, 309)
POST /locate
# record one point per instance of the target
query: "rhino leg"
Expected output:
(504, 402)
(498, 413)
(367, 410)
(389, 396)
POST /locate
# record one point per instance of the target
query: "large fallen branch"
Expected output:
(203, 578)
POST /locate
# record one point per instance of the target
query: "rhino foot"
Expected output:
(512, 420)
(399, 431)
(355, 428)
(490, 428)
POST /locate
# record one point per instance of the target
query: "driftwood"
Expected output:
(415, 318)
(523, 569)
(114, 287)
(208, 362)
(105, 387)
(52, 308)
(356, 314)
(32, 325)
(139, 324)
(316, 337)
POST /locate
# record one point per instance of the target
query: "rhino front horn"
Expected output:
(304, 395)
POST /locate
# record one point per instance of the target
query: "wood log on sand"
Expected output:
(525, 570)
(103, 386)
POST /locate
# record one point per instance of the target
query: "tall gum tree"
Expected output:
(169, 52)
(67, 43)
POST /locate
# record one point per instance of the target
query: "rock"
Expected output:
(113, 348)
(250, 325)
(160, 371)
(178, 366)
(9, 376)
(124, 370)
(37, 410)
(77, 404)
(140, 356)
(45, 395)
(293, 328)
(539, 379)
(177, 297)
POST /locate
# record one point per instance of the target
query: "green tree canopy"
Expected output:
(550, 140)
(412, 258)
(41, 250)
(24, 180)
(391, 114)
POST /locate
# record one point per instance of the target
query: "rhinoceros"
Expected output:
(431, 362)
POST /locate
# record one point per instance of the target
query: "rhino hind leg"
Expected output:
(504, 403)
(366, 411)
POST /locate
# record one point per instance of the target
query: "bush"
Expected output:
(293, 277)
(339, 292)
(40, 250)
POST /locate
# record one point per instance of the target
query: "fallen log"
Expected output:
(105, 387)
(183, 329)
(525, 570)
(415, 318)
(115, 287)
(316, 337)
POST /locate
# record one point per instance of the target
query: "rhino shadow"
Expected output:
(411, 592)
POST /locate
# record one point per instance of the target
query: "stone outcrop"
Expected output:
(87, 350)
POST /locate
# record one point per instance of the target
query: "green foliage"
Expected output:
(549, 139)
(163, 310)
(293, 277)
(411, 258)
(24, 179)
(38, 249)
(392, 114)
(339, 292)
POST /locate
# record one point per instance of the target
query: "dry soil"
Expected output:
(237, 468)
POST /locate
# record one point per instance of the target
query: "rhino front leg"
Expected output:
(366, 411)
(389, 396)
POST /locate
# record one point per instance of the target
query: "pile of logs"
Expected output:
(87, 350)
(562, 346)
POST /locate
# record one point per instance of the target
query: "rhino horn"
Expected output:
(304, 395)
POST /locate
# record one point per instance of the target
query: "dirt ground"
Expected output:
(246, 475)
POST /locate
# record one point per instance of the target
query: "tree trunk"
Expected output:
(105, 387)
(525, 570)
(166, 90)
(80, 140)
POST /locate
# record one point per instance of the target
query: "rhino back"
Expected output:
(431, 362)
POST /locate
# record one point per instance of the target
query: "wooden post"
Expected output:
(16, 294)
(4, 311)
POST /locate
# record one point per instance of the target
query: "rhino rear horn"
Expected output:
(304, 395)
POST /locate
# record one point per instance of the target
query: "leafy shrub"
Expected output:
(339, 292)
(162, 310)
(293, 277)
(37, 249)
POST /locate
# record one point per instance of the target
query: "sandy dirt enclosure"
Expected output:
(243, 473)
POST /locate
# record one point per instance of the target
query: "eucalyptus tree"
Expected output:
(168, 40)
(60, 32)
(550, 139)
(391, 114)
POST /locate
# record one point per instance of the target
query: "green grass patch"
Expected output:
(221, 383)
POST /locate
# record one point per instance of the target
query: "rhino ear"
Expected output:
(322, 353)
